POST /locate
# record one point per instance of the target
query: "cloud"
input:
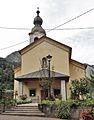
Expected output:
(83, 46)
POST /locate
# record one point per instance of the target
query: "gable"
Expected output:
(33, 54)
(49, 40)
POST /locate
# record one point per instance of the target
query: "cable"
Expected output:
(15, 28)
(72, 19)
(14, 45)
(54, 27)
(50, 29)
(47, 29)
(73, 28)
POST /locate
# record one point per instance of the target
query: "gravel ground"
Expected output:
(9, 117)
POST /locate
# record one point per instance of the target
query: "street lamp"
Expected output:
(49, 57)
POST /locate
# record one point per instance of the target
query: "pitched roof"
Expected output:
(47, 39)
(79, 64)
(44, 73)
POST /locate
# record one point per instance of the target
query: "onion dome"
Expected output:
(38, 20)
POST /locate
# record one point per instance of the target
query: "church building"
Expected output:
(45, 59)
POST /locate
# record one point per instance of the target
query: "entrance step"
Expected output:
(25, 110)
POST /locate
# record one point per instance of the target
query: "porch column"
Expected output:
(20, 91)
(63, 90)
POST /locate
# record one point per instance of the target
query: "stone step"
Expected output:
(25, 114)
(30, 104)
(24, 110)
(25, 106)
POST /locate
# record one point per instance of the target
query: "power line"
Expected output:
(49, 29)
(15, 28)
(14, 45)
(73, 28)
(72, 19)
(52, 28)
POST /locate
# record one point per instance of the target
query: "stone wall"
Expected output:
(51, 111)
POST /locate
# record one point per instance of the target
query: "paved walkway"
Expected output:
(28, 104)
(8, 117)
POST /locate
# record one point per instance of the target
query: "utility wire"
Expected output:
(73, 28)
(72, 19)
(15, 28)
(50, 29)
(56, 26)
(14, 45)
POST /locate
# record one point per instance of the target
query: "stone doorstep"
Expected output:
(25, 110)
(25, 114)
(30, 104)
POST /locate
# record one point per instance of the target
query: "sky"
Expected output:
(21, 13)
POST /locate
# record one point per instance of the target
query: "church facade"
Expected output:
(42, 59)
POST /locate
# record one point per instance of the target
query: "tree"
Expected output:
(90, 80)
(6, 81)
(6, 77)
(79, 88)
(46, 82)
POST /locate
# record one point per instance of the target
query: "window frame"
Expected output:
(33, 92)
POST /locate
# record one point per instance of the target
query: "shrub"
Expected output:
(11, 102)
(73, 103)
(64, 110)
(23, 97)
(49, 102)
(88, 102)
(24, 101)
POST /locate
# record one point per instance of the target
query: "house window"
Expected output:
(32, 92)
(56, 92)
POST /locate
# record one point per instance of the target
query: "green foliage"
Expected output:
(87, 102)
(74, 89)
(64, 107)
(79, 88)
(23, 97)
(83, 86)
(73, 103)
(24, 101)
(91, 82)
(64, 110)
(11, 102)
(6, 78)
(91, 78)
(45, 81)
(49, 102)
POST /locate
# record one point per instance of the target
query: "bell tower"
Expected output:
(37, 31)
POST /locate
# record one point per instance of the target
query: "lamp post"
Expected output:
(49, 57)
